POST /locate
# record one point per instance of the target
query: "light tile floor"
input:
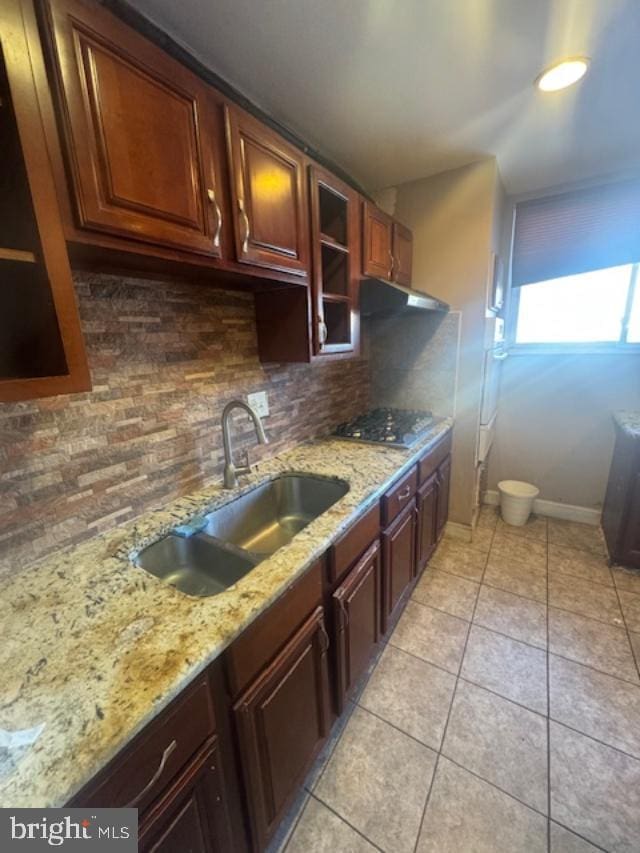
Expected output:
(503, 714)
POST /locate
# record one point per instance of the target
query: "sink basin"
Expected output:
(197, 566)
(240, 534)
(270, 515)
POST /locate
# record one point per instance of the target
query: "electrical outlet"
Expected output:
(260, 402)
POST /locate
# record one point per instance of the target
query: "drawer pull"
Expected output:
(211, 195)
(343, 609)
(404, 494)
(325, 639)
(246, 226)
(165, 756)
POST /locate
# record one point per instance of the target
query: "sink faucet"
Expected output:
(230, 470)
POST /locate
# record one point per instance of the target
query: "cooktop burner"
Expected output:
(394, 427)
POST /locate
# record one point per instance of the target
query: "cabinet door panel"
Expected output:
(139, 133)
(402, 254)
(356, 605)
(398, 554)
(376, 248)
(426, 533)
(631, 538)
(282, 722)
(268, 195)
(444, 478)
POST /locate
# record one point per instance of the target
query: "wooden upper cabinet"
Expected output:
(377, 236)
(387, 249)
(139, 133)
(402, 252)
(41, 347)
(268, 196)
(335, 246)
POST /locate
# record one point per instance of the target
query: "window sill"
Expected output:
(574, 349)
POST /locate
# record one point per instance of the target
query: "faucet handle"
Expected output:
(243, 458)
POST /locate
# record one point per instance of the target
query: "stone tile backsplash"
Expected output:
(165, 357)
(413, 359)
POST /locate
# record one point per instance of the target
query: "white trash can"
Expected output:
(516, 501)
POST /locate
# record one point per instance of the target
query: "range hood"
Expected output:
(385, 297)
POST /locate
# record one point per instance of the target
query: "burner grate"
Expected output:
(393, 427)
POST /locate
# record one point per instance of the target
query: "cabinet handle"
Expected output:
(322, 332)
(246, 226)
(392, 264)
(211, 195)
(165, 755)
(325, 639)
(343, 609)
(404, 494)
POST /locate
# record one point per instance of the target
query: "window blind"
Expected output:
(576, 232)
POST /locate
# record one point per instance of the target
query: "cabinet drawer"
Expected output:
(192, 814)
(262, 640)
(352, 543)
(433, 457)
(145, 768)
(399, 496)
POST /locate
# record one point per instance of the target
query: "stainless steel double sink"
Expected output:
(215, 551)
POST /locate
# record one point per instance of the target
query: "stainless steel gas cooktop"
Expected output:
(393, 427)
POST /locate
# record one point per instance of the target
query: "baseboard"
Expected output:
(552, 509)
(463, 532)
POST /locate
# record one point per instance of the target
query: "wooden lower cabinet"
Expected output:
(621, 510)
(217, 770)
(282, 721)
(356, 606)
(426, 528)
(398, 561)
(192, 814)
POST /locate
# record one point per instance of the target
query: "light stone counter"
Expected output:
(94, 647)
(629, 422)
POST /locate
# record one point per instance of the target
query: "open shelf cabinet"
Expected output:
(41, 347)
(335, 243)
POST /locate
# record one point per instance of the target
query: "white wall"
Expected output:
(452, 216)
(554, 422)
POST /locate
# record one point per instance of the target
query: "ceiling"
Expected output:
(394, 91)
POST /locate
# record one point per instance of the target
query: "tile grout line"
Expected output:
(438, 750)
(524, 642)
(453, 697)
(506, 699)
(537, 600)
(356, 704)
(626, 626)
(344, 820)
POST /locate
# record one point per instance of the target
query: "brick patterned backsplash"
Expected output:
(165, 358)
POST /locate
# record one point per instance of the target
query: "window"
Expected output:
(575, 271)
(597, 307)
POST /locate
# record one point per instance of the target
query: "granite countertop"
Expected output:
(628, 421)
(94, 647)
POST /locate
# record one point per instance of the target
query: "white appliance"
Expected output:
(493, 358)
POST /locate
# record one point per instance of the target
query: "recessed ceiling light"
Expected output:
(562, 74)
